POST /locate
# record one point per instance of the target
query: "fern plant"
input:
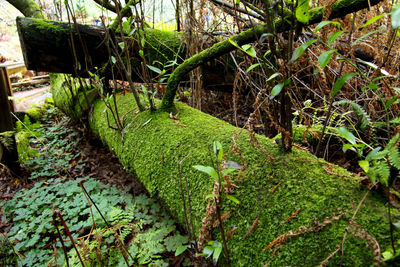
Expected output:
(149, 234)
(364, 118)
(377, 163)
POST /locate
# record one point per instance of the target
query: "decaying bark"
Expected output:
(48, 46)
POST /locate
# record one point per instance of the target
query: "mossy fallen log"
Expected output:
(302, 204)
(61, 47)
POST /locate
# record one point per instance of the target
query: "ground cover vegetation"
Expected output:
(109, 226)
(327, 86)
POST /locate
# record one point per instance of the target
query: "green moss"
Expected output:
(153, 143)
(164, 46)
(72, 103)
(48, 25)
(34, 113)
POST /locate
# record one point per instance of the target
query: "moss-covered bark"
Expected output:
(338, 9)
(153, 142)
(46, 46)
(28, 7)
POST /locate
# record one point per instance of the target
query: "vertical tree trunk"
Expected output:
(177, 16)
(10, 157)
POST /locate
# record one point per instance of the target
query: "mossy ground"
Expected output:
(152, 143)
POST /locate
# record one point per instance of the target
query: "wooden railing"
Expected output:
(6, 109)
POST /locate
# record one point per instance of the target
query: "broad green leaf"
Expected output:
(334, 36)
(253, 66)
(218, 150)
(326, 22)
(228, 171)
(155, 69)
(246, 46)
(302, 14)
(264, 36)
(276, 74)
(249, 50)
(113, 60)
(300, 50)
(372, 86)
(211, 196)
(208, 170)
(233, 43)
(181, 249)
(125, 26)
(348, 147)
(208, 251)
(396, 17)
(141, 53)
(340, 82)
(344, 133)
(325, 57)
(267, 53)
(387, 255)
(278, 88)
(372, 20)
(122, 45)
(216, 253)
(233, 199)
(364, 164)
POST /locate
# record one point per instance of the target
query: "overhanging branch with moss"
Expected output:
(338, 9)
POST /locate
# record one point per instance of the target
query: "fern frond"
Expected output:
(393, 141)
(379, 172)
(394, 157)
(365, 120)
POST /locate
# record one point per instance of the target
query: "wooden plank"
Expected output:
(31, 82)
(14, 67)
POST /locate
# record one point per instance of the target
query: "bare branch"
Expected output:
(221, 3)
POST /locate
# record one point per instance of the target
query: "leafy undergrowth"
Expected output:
(130, 228)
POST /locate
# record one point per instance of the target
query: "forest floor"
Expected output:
(62, 151)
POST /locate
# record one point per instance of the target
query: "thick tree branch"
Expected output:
(28, 8)
(124, 12)
(107, 5)
(339, 9)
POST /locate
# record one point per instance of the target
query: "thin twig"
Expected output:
(352, 219)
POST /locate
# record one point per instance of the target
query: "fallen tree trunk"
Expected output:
(294, 208)
(61, 47)
(47, 46)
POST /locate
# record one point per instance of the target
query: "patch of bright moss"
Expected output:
(151, 150)
(153, 142)
(72, 103)
(48, 25)
(34, 113)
